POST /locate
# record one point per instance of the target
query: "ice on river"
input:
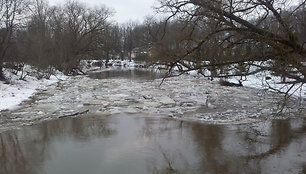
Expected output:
(183, 97)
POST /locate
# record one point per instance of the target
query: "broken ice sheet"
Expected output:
(206, 100)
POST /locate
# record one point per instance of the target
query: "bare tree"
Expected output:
(61, 36)
(110, 43)
(258, 34)
(12, 13)
(128, 38)
(83, 27)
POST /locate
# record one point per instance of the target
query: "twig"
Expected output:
(167, 74)
(74, 114)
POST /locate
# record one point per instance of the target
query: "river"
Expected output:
(144, 143)
(132, 144)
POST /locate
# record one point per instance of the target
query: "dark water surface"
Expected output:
(135, 74)
(134, 144)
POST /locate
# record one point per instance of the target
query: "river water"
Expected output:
(134, 74)
(140, 144)
(132, 144)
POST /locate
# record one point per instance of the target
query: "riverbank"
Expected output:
(23, 84)
(15, 90)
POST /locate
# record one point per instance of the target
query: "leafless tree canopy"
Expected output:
(11, 16)
(35, 33)
(244, 36)
(61, 36)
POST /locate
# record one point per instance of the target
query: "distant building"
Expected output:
(140, 51)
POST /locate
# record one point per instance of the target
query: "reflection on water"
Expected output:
(135, 74)
(135, 144)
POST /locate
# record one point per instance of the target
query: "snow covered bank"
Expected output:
(91, 65)
(266, 81)
(16, 91)
(262, 80)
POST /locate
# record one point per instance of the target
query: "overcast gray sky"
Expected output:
(125, 9)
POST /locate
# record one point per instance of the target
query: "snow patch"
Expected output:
(16, 91)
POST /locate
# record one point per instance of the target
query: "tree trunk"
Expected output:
(130, 55)
(2, 77)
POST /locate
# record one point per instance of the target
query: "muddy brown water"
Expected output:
(134, 74)
(137, 144)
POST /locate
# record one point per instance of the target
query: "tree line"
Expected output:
(45, 36)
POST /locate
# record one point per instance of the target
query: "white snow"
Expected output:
(16, 91)
(259, 81)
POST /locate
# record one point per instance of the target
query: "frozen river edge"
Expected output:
(183, 97)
